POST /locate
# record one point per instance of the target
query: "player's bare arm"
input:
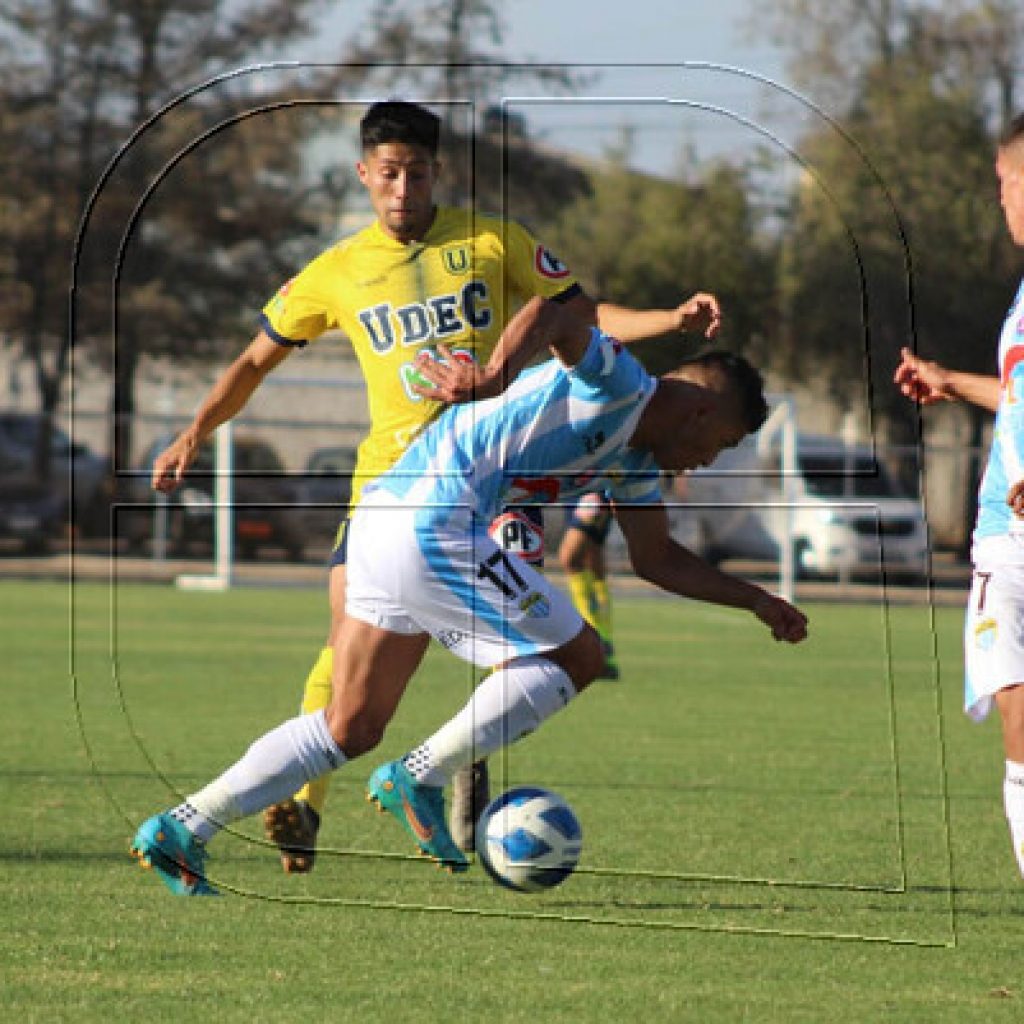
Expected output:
(455, 381)
(532, 330)
(927, 382)
(1015, 498)
(700, 314)
(227, 397)
(660, 560)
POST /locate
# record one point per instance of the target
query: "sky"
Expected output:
(710, 103)
(643, 34)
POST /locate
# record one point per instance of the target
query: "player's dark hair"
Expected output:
(743, 381)
(1012, 132)
(398, 121)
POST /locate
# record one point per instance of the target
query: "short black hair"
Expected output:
(742, 379)
(1012, 132)
(398, 121)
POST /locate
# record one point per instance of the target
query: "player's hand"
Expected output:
(170, 465)
(920, 380)
(786, 622)
(453, 380)
(1015, 499)
(700, 312)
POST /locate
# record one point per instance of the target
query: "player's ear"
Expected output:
(363, 171)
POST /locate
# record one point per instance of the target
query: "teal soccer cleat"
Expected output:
(420, 809)
(164, 844)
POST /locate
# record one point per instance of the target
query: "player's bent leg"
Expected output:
(373, 667)
(513, 701)
(583, 660)
(292, 825)
(274, 765)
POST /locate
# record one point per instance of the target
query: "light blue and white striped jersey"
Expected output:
(1006, 457)
(554, 434)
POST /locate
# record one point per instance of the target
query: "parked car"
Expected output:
(845, 511)
(324, 490)
(19, 434)
(31, 514)
(267, 503)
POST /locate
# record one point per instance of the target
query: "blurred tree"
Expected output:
(648, 241)
(914, 220)
(836, 48)
(92, 140)
(904, 208)
(895, 236)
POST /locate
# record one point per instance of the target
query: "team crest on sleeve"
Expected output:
(548, 264)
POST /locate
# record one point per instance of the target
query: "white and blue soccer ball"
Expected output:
(529, 839)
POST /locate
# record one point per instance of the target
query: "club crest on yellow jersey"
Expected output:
(455, 259)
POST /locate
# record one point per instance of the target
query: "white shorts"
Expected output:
(993, 636)
(407, 573)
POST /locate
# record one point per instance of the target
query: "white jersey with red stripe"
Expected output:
(998, 533)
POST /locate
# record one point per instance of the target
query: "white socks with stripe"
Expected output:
(1013, 804)
(508, 704)
(272, 769)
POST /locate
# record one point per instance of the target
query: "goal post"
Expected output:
(223, 518)
(779, 430)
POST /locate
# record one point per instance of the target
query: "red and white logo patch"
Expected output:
(548, 265)
(519, 535)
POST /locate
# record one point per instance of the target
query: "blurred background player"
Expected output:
(419, 275)
(582, 557)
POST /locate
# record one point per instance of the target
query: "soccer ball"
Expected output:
(528, 839)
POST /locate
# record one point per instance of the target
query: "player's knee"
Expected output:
(1011, 710)
(358, 733)
(582, 659)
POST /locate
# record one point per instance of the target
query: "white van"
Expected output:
(844, 511)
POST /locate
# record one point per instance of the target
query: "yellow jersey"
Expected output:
(459, 285)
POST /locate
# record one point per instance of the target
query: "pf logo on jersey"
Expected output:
(518, 534)
(548, 265)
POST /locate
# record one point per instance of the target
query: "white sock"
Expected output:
(272, 769)
(507, 705)
(1013, 803)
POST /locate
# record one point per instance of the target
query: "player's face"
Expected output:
(698, 444)
(1010, 171)
(400, 179)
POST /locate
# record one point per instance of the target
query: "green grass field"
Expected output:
(770, 833)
